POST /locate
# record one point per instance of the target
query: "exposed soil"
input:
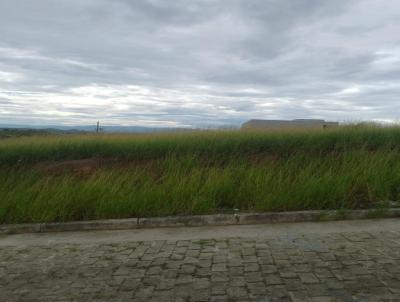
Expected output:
(260, 158)
(87, 167)
(79, 167)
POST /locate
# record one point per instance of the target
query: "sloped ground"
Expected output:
(58, 178)
(335, 261)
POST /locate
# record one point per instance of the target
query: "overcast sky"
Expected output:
(198, 62)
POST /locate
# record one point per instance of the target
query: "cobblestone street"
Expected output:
(334, 261)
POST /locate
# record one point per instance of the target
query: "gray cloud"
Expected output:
(201, 62)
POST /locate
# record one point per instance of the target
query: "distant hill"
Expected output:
(16, 132)
(25, 130)
(282, 124)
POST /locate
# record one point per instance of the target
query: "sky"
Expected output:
(198, 63)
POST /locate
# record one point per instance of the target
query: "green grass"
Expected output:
(196, 173)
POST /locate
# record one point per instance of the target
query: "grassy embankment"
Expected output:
(63, 178)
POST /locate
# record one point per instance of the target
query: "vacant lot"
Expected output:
(62, 178)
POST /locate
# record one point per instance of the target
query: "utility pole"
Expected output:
(98, 127)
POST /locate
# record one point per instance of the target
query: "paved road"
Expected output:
(331, 261)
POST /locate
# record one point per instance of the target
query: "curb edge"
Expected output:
(200, 220)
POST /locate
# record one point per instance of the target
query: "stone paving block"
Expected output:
(237, 281)
(184, 279)
(289, 268)
(253, 277)
(130, 284)
(201, 283)
(237, 292)
(293, 284)
(308, 278)
(219, 288)
(219, 277)
(236, 271)
(251, 267)
(287, 273)
(299, 296)
(220, 299)
(219, 267)
(200, 295)
(183, 291)
(317, 290)
(324, 299)
(273, 279)
(166, 284)
(203, 272)
(257, 289)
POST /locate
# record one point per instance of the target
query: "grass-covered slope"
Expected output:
(61, 178)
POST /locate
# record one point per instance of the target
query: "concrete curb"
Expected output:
(199, 220)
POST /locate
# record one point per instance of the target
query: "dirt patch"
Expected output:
(260, 158)
(87, 167)
(77, 167)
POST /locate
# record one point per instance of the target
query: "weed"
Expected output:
(75, 177)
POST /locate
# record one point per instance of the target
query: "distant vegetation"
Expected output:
(74, 177)
(18, 132)
(15, 132)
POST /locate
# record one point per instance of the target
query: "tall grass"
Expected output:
(215, 144)
(197, 173)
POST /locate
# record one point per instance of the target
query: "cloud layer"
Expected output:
(198, 63)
